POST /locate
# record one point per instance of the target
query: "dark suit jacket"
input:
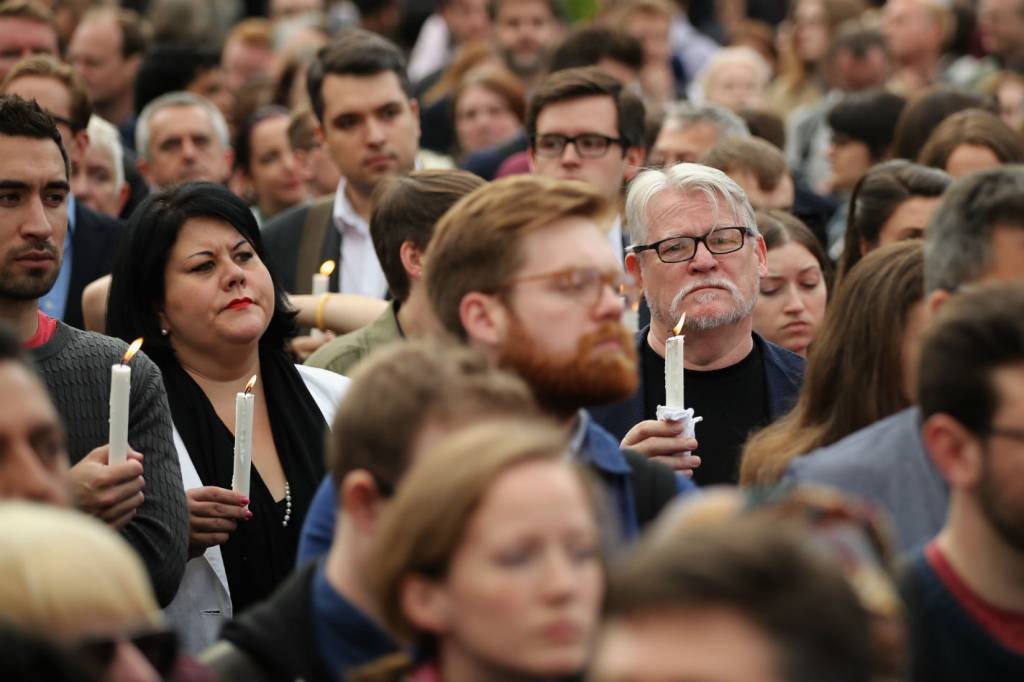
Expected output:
(784, 373)
(94, 245)
(284, 238)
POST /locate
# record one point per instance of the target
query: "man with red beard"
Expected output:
(521, 268)
(696, 249)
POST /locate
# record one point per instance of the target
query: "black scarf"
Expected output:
(260, 552)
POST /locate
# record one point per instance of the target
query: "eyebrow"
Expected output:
(210, 253)
(24, 186)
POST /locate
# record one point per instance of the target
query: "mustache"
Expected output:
(34, 246)
(712, 282)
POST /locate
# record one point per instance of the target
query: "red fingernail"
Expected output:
(245, 501)
(248, 515)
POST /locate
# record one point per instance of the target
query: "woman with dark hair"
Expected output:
(971, 140)
(504, 580)
(264, 161)
(791, 306)
(190, 279)
(860, 368)
(892, 202)
(925, 111)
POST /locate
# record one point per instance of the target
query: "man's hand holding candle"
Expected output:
(110, 492)
(663, 441)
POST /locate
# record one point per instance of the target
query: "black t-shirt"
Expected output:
(733, 402)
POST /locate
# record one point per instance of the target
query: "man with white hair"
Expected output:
(182, 137)
(696, 250)
(99, 181)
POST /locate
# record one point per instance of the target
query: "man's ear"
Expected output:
(122, 197)
(414, 106)
(632, 262)
(531, 157)
(426, 604)
(81, 142)
(762, 257)
(143, 168)
(955, 451)
(484, 317)
(635, 157)
(412, 259)
(359, 499)
(935, 300)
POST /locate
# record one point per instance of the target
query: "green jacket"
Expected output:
(345, 352)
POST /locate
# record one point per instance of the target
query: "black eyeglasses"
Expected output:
(588, 145)
(718, 241)
(159, 647)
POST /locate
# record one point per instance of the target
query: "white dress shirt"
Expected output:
(360, 270)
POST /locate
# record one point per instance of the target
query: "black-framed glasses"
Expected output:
(588, 145)
(586, 284)
(718, 241)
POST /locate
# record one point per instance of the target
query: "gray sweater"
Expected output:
(75, 366)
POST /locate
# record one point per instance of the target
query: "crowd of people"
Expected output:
(504, 340)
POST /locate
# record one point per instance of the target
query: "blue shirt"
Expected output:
(345, 636)
(55, 301)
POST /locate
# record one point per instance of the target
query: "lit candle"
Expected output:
(674, 367)
(244, 403)
(120, 389)
(321, 283)
(631, 318)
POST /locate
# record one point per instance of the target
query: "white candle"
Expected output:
(244, 404)
(674, 368)
(321, 284)
(120, 390)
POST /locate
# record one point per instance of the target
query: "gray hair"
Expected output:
(104, 136)
(727, 56)
(725, 122)
(179, 98)
(958, 241)
(686, 178)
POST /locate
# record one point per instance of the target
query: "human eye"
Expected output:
(10, 198)
(48, 446)
(551, 143)
(674, 247)
(591, 142)
(390, 112)
(54, 198)
(515, 556)
(346, 121)
(203, 267)
(244, 256)
(770, 286)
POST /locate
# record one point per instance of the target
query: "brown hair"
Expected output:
(398, 390)
(748, 154)
(972, 127)
(846, 390)
(590, 81)
(252, 32)
(419, 536)
(877, 195)
(45, 66)
(472, 55)
(302, 129)
(780, 227)
(764, 569)
(476, 244)
(29, 9)
(925, 111)
(498, 80)
(406, 208)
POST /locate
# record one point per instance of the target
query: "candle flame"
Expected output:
(132, 350)
(327, 267)
(678, 329)
(250, 387)
(635, 306)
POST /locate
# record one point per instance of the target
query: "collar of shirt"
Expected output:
(346, 219)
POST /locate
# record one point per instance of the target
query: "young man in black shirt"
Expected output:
(696, 249)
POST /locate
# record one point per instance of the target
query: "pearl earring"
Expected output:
(164, 332)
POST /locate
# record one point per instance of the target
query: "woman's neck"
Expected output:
(458, 665)
(226, 368)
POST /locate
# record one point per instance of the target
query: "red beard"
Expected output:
(588, 377)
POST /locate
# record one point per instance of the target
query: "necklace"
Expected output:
(287, 505)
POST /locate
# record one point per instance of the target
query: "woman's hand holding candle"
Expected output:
(213, 513)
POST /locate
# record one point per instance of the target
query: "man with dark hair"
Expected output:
(106, 50)
(360, 94)
(75, 365)
(584, 124)
(92, 239)
(975, 236)
(323, 622)
(618, 53)
(963, 591)
(746, 599)
(525, 31)
(33, 455)
(758, 167)
(26, 28)
(405, 210)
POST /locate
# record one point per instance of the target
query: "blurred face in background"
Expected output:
(810, 31)
(525, 31)
(483, 119)
(275, 176)
(467, 19)
(791, 305)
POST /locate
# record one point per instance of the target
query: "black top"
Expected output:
(733, 402)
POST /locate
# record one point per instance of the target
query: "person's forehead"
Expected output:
(596, 113)
(31, 160)
(573, 241)
(689, 211)
(508, 9)
(25, 31)
(99, 156)
(50, 93)
(344, 93)
(179, 119)
(101, 28)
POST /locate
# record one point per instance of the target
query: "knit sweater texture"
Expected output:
(75, 366)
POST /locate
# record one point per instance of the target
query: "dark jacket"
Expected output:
(298, 241)
(784, 373)
(274, 640)
(94, 246)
